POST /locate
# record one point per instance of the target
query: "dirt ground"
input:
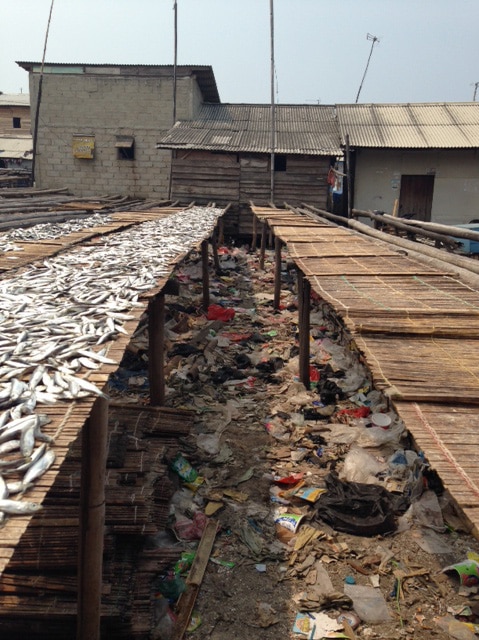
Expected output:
(255, 425)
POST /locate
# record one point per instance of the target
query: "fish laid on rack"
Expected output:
(56, 317)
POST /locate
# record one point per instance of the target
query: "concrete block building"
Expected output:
(98, 124)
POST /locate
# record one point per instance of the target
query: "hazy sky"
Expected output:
(427, 51)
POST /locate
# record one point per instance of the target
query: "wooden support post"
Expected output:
(205, 274)
(254, 238)
(92, 521)
(214, 245)
(304, 294)
(277, 272)
(263, 245)
(156, 350)
(221, 230)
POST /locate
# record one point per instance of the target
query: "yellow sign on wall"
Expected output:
(83, 147)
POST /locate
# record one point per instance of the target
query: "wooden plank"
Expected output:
(194, 579)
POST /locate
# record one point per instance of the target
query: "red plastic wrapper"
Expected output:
(217, 312)
(237, 337)
(292, 479)
(361, 412)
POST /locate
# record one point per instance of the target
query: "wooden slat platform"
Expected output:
(418, 331)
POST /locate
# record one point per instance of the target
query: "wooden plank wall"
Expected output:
(205, 177)
(6, 121)
(305, 180)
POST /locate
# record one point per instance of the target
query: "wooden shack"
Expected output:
(224, 155)
(15, 131)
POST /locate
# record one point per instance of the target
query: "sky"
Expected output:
(427, 50)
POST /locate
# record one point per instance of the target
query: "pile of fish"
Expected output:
(54, 320)
(49, 230)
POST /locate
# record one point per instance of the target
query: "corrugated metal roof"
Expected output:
(14, 100)
(452, 125)
(300, 129)
(21, 147)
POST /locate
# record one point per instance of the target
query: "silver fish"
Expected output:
(39, 467)
(19, 507)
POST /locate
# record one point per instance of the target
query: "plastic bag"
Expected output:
(217, 312)
(361, 466)
(191, 529)
(359, 509)
(164, 619)
(377, 436)
(369, 603)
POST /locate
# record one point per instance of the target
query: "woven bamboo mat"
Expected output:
(303, 244)
(417, 368)
(384, 265)
(349, 294)
(448, 434)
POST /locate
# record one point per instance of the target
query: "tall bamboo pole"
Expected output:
(39, 96)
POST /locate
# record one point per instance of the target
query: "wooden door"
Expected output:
(415, 199)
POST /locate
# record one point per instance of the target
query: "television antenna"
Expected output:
(373, 40)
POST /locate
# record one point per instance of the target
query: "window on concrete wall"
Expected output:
(279, 163)
(125, 146)
(17, 123)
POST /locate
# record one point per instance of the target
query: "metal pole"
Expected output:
(39, 96)
(273, 110)
(92, 521)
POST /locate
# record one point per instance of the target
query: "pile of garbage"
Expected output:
(330, 522)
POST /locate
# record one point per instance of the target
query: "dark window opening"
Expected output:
(280, 163)
(17, 123)
(126, 147)
(126, 153)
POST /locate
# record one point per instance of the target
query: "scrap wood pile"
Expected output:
(15, 178)
(28, 207)
(329, 522)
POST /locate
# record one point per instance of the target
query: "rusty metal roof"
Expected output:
(204, 73)
(300, 129)
(450, 125)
